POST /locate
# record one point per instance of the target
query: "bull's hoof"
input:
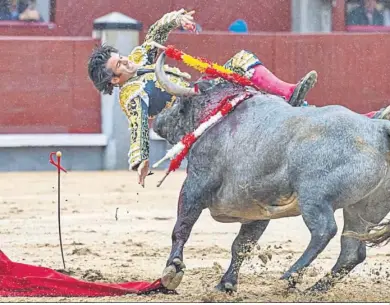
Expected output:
(226, 287)
(292, 279)
(317, 288)
(173, 274)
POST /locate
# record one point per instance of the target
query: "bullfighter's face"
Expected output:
(123, 68)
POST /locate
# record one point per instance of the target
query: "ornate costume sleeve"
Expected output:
(134, 102)
(158, 32)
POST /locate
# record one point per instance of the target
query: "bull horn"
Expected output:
(169, 86)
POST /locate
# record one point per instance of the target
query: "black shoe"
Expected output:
(303, 87)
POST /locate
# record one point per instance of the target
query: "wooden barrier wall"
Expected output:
(45, 87)
(75, 17)
(353, 68)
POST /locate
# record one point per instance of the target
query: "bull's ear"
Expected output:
(183, 106)
(202, 86)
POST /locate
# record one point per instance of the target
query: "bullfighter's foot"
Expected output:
(226, 287)
(173, 274)
(302, 88)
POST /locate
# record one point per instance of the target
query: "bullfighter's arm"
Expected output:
(134, 102)
(158, 32)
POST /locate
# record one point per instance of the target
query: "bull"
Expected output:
(268, 160)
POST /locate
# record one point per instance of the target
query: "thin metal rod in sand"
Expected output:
(59, 169)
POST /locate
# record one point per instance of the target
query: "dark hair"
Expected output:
(97, 70)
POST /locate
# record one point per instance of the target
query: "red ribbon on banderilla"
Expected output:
(178, 152)
(58, 154)
(181, 149)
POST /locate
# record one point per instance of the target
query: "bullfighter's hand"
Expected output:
(186, 20)
(143, 171)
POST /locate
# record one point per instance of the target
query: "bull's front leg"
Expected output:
(189, 209)
(245, 241)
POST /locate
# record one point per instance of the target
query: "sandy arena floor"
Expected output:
(136, 246)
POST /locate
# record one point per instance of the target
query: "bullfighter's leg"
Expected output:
(245, 241)
(353, 251)
(318, 216)
(248, 64)
(189, 210)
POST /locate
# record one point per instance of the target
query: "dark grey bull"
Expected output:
(267, 160)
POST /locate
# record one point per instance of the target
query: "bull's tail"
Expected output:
(375, 235)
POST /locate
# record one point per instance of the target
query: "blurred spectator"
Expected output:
(239, 26)
(366, 13)
(5, 11)
(14, 10)
(28, 12)
(386, 13)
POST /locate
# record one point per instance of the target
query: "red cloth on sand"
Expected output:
(22, 280)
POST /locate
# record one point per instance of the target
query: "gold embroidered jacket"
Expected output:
(142, 97)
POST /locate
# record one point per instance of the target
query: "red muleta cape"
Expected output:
(22, 280)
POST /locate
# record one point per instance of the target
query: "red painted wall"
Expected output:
(75, 17)
(353, 69)
(45, 87)
(17, 28)
(338, 15)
